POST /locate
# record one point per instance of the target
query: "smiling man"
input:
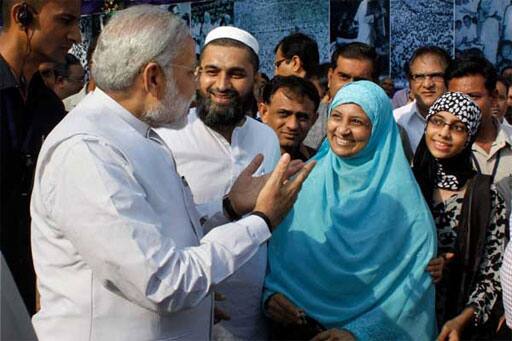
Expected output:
(289, 107)
(425, 72)
(217, 143)
(34, 32)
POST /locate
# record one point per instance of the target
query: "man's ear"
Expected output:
(263, 109)
(153, 79)
(296, 63)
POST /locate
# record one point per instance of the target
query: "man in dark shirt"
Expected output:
(289, 107)
(34, 32)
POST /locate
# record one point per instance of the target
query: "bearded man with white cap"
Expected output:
(219, 140)
(117, 243)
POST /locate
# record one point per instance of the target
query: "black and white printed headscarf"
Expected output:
(461, 106)
(452, 173)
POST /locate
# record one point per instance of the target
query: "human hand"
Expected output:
(245, 190)
(281, 310)
(436, 266)
(334, 335)
(280, 192)
(219, 314)
(451, 331)
(501, 323)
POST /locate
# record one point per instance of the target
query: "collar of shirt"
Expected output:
(125, 115)
(7, 79)
(416, 113)
(503, 140)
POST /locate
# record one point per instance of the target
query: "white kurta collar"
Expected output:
(119, 110)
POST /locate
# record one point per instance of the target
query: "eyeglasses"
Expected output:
(421, 77)
(193, 71)
(277, 63)
(456, 127)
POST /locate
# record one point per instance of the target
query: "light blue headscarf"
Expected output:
(354, 249)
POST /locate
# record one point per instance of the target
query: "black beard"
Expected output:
(220, 116)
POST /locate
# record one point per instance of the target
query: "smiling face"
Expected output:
(446, 135)
(226, 81)
(348, 129)
(290, 116)
(426, 81)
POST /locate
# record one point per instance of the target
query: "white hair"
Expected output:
(132, 38)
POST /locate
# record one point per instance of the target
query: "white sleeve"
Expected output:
(100, 206)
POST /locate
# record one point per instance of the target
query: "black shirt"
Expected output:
(23, 127)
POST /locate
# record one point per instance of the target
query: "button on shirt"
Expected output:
(117, 244)
(210, 165)
(412, 121)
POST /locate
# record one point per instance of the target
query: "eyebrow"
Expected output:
(229, 69)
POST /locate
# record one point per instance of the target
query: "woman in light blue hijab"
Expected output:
(353, 251)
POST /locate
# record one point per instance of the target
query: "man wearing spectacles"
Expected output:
(425, 72)
(296, 55)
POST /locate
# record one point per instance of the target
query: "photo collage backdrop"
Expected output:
(395, 27)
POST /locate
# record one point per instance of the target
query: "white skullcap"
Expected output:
(234, 33)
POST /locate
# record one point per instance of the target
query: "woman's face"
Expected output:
(446, 135)
(348, 129)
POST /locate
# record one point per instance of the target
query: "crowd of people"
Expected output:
(173, 196)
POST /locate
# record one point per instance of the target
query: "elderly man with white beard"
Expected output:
(117, 244)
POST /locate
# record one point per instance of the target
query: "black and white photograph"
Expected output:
(271, 21)
(365, 21)
(182, 10)
(207, 15)
(416, 23)
(485, 26)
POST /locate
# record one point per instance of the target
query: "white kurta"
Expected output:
(116, 240)
(210, 179)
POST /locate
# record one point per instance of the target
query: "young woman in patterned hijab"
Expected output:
(470, 218)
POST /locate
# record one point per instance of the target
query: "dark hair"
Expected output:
(303, 46)
(470, 65)
(506, 67)
(503, 80)
(253, 57)
(357, 50)
(8, 4)
(62, 69)
(298, 86)
(322, 74)
(428, 50)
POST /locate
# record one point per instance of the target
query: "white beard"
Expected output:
(172, 111)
